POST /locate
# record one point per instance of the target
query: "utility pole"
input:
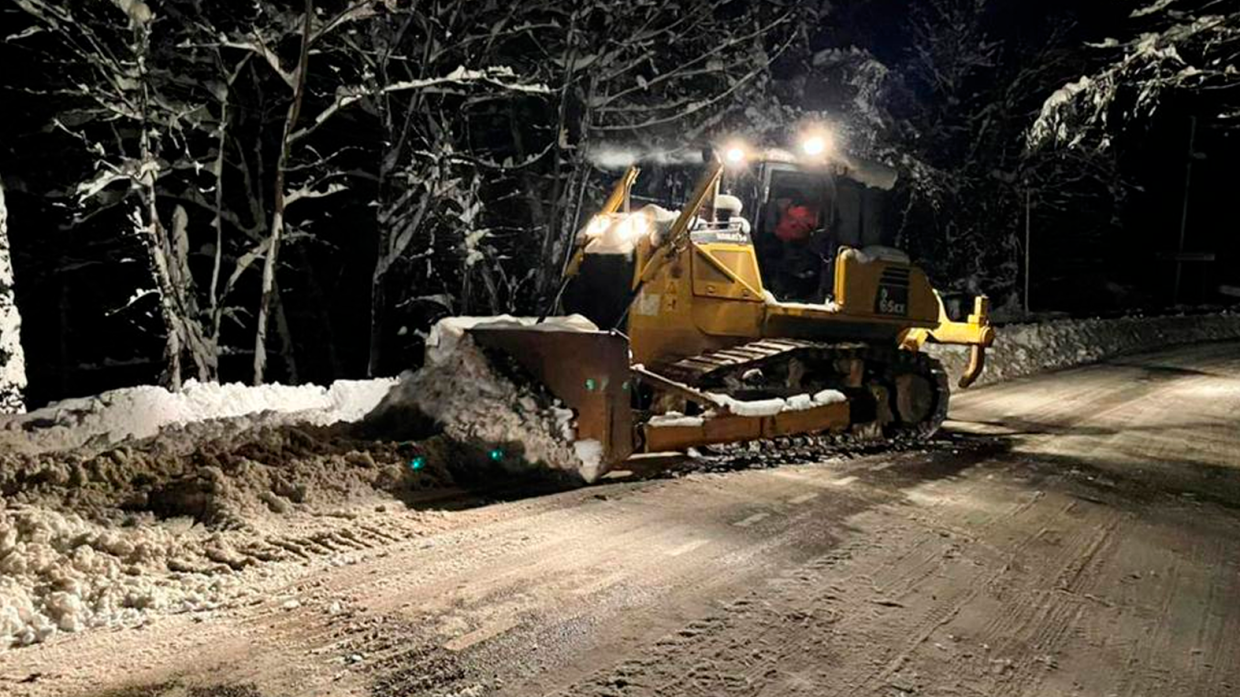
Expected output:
(1188, 181)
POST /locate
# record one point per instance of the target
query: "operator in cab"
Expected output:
(803, 273)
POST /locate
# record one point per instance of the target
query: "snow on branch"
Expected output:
(129, 170)
(259, 47)
(137, 295)
(357, 11)
(1188, 52)
(307, 192)
(497, 76)
(500, 76)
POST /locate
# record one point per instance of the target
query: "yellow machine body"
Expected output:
(695, 298)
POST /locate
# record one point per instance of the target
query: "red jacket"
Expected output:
(797, 223)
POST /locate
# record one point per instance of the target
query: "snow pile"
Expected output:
(166, 524)
(1025, 349)
(219, 474)
(140, 412)
(59, 572)
(460, 389)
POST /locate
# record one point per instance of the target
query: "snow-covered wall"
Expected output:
(1025, 349)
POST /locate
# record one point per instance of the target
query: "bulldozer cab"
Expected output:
(803, 216)
(796, 217)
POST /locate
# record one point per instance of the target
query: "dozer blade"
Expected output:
(588, 371)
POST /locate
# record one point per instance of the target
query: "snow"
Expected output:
(1026, 349)
(825, 306)
(869, 255)
(590, 452)
(777, 405)
(447, 333)
(803, 402)
(80, 545)
(110, 533)
(1052, 124)
(59, 572)
(12, 358)
(140, 412)
(756, 408)
(1155, 8)
(498, 75)
(459, 388)
(674, 419)
(137, 11)
(763, 407)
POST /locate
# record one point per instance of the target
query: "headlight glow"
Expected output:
(814, 145)
(597, 226)
(633, 228)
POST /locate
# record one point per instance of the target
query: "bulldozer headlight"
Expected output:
(633, 228)
(814, 145)
(597, 226)
(817, 141)
(735, 153)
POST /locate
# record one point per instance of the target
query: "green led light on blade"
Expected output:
(497, 454)
(417, 463)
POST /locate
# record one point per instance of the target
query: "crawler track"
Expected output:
(869, 375)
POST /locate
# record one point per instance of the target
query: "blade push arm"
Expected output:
(679, 233)
(975, 332)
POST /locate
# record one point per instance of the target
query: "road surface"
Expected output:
(1077, 533)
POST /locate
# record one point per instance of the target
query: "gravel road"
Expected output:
(1071, 534)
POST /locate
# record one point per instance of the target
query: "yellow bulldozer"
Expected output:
(704, 339)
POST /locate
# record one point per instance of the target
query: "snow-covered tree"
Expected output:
(953, 115)
(485, 169)
(1187, 48)
(661, 78)
(129, 114)
(12, 359)
(449, 138)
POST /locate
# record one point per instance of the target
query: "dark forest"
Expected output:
(292, 192)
